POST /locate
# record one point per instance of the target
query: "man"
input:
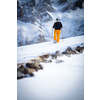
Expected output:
(58, 26)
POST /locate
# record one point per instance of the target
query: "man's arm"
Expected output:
(53, 25)
(61, 26)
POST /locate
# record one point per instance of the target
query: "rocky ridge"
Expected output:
(37, 12)
(27, 69)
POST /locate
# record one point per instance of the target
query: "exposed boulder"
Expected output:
(54, 56)
(36, 65)
(31, 74)
(36, 59)
(72, 52)
(79, 49)
(64, 52)
(50, 60)
(57, 52)
(69, 51)
(23, 70)
(31, 70)
(20, 75)
(20, 64)
(44, 57)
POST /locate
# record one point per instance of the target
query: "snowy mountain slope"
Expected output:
(27, 33)
(63, 81)
(43, 13)
(26, 53)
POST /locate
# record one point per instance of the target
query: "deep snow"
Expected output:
(64, 81)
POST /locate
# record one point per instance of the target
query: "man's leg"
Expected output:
(55, 32)
(58, 35)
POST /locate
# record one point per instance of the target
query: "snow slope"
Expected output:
(25, 53)
(64, 81)
(27, 33)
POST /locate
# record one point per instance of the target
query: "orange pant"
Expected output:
(57, 35)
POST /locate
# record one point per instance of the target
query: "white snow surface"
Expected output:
(63, 81)
(25, 53)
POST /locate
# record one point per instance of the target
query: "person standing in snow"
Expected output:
(57, 26)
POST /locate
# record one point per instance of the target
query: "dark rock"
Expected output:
(79, 49)
(42, 58)
(78, 46)
(31, 70)
(64, 52)
(50, 60)
(23, 70)
(36, 65)
(77, 4)
(36, 59)
(20, 12)
(20, 64)
(82, 43)
(28, 64)
(54, 56)
(40, 66)
(24, 11)
(70, 51)
(71, 4)
(20, 75)
(61, 1)
(57, 52)
(31, 74)
(60, 54)
(45, 56)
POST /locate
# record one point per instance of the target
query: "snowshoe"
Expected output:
(54, 41)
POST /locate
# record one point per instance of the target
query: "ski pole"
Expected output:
(62, 36)
(52, 34)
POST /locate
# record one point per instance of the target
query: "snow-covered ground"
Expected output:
(64, 81)
(25, 53)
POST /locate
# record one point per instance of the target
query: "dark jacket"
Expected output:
(57, 25)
